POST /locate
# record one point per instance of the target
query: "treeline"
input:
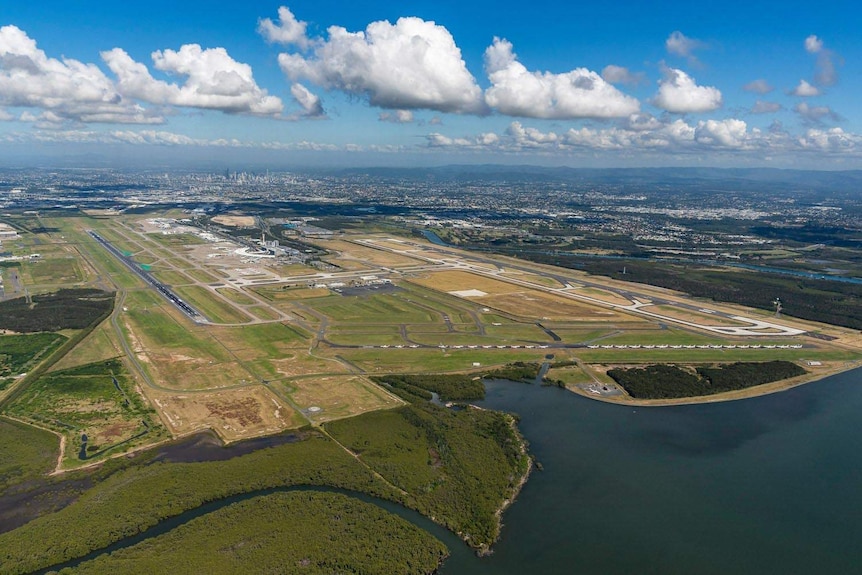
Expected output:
(455, 387)
(307, 532)
(671, 381)
(450, 387)
(64, 309)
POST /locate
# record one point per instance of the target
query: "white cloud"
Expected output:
(832, 140)
(5, 116)
(581, 93)
(679, 44)
(759, 86)
(412, 64)
(66, 90)
(397, 117)
(621, 75)
(310, 103)
(214, 81)
(813, 44)
(730, 133)
(763, 107)
(289, 30)
(805, 89)
(679, 93)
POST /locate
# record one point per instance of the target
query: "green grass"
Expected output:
(377, 361)
(379, 309)
(85, 400)
(710, 355)
(236, 296)
(172, 277)
(262, 312)
(210, 305)
(26, 453)
(54, 271)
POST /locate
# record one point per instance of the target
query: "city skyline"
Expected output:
(620, 84)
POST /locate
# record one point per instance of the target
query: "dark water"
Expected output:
(766, 485)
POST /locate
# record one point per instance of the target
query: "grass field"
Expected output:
(21, 353)
(171, 277)
(351, 251)
(376, 361)
(262, 312)
(338, 396)
(378, 308)
(26, 453)
(100, 345)
(285, 292)
(94, 405)
(236, 296)
(54, 271)
(202, 276)
(213, 307)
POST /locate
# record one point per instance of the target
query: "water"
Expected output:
(766, 485)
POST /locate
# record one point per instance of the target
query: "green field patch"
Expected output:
(423, 360)
(364, 338)
(378, 308)
(336, 396)
(177, 240)
(201, 275)
(95, 406)
(709, 355)
(314, 533)
(263, 339)
(263, 312)
(568, 375)
(213, 307)
(518, 332)
(454, 339)
(100, 345)
(172, 277)
(236, 296)
(54, 271)
(668, 336)
(26, 453)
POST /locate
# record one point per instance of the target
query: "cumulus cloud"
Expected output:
(214, 81)
(763, 107)
(679, 93)
(679, 44)
(621, 75)
(805, 89)
(397, 117)
(730, 133)
(289, 30)
(310, 103)
(759, 86)
(412, 64)
(66, 90)
(581, 93)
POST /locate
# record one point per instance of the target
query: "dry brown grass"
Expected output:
(234, 414)
(449, 281)
(350, 251)
(339, 396)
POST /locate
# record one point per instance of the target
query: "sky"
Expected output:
(601, 84)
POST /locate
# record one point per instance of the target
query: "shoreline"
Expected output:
(735, 395)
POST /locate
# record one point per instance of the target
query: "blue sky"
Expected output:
(391, 83)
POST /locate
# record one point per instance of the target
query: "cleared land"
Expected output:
(234, 414)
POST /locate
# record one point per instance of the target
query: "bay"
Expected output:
(765, 485)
